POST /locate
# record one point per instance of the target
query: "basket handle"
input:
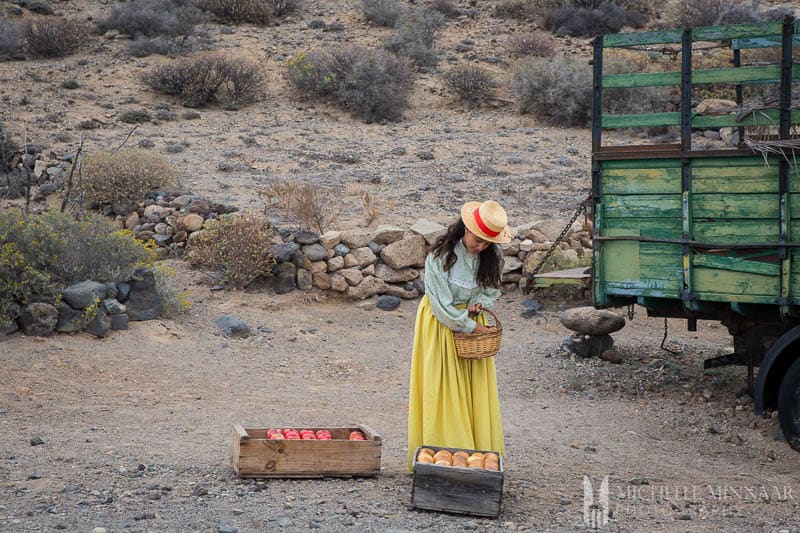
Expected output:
(496, 320)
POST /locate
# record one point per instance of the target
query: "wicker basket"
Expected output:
(479, 345)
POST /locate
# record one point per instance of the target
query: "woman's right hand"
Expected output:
(480, 328)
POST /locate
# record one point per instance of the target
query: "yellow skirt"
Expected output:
(452, 402)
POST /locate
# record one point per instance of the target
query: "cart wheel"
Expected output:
(789, 405)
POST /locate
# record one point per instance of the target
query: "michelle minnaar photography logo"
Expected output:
(640, 498)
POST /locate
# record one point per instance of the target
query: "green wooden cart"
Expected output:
(711, 234)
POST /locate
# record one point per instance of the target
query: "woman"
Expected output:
(453, 402)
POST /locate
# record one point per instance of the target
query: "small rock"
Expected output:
(531, 306)
(564, 500)
(227, 529)
(199, 491)
(34, 475)
(387, 302)
(99, 530)
(36, 440)
(284, 522)
(612, 356)
(231, 326)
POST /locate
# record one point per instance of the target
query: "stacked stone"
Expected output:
(93, 307)
(389, 260)
(169, 221)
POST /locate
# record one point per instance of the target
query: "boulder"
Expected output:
(430, 231)
(335, 263)
(390, 275)
(350, 260)
(369, 286)
(587, 345)
(511, 264)
(232, 326)
(356, 238)
(100, 324)
(386, 234)
(338, 283)
(192, 222)
(38, 319)
(315, 252)
(113, 307)
(82, 295)
(284, 282)
(284, 252)
(341, 250)
(69, 319)
(406, 293)
(364, 255)
(408, 252)
(591, 321)
(144, 302)
(387, 302)
(306, 237)
(330, 239)
(304, 279)
(321, 281)
(119, 322)
(353, 276)
(716, 106)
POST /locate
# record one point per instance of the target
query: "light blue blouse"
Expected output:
(446, 290)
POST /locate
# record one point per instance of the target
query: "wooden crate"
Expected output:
(253, 455)
(455, 489)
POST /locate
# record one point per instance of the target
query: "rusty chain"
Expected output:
(564, 232)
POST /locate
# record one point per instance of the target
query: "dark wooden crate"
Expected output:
(253, 455)
(455, 489)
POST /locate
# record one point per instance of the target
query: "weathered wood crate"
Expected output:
(455, 489)
(253, 455)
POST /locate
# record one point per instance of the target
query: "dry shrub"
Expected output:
(515, 9)
(123, 178)
(52, 37)
(472, 84)
(233, 82)
(152, 18)
(556, 90)
(446, 8)
(373, 84)
(381, 12)
(685, 13)
(307, 204)
(601, 17)
(236, 247)
(10, 39)
(256, 12)
(537, 43)
(414, 36)
(283, 7)
(370, 208)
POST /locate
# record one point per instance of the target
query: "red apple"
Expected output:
(308, 436)
(356, 435)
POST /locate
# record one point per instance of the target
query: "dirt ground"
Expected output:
(135, 428)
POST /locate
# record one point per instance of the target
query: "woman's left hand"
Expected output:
(474, 309)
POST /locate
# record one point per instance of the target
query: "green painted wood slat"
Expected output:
(759, 74)
(766, 117)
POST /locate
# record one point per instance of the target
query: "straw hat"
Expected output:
(486, 220)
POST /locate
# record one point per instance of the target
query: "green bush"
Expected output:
(258, 12)
(51, 37)
(175, 300)
(123, 178)
(230, 81)
(372, 84)
(236, 247)
(414, 36)
(8, 147)
(556, 90)
(42, 254)
(470, 83)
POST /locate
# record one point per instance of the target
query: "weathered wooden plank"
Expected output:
(716, 281)
(726, 161)
(663, 228)
(736, 264)
(740, 179)
(767, 117)
(744, 75)
(736, 232)
(612, 164)
(794, 209)
(659, 290)
(766, 41)
(643, 205)
(615, 40)
(735, 206)
(641, 181)
(737, 31)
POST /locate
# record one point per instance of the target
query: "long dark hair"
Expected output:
(488, 260)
